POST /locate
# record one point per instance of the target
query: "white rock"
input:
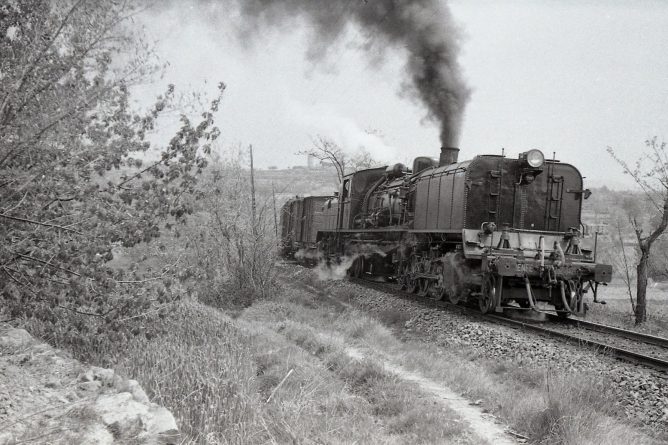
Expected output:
(87, 376)
(106, 376)
(90, 386)
(122, 408)
(162, 421)
(119, 408)
(137, 392)
(15, 338)
(97, 435)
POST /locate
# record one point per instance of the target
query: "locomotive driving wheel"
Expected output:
(412, 269)
(351, 270)
(361, 265)
(574, 298)
(424, 285)
(438, 288)
(402, 274)
(578, 296)
(488, 294)
(453, 284)
(356, 269)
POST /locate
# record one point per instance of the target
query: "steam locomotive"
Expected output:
(504, 232)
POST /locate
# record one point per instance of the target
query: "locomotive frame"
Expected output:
(491, 229)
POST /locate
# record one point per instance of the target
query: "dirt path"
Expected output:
(483, 425)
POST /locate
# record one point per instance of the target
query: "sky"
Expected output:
(567, 77)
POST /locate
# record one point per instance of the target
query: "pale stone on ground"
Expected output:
(48, 397)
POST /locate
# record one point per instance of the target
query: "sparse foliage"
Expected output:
(361, 160)
(650, 172)
(233, 253)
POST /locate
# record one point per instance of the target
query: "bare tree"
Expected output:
(650, 172)
(329, 152)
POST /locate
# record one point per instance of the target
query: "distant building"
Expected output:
(596, 222)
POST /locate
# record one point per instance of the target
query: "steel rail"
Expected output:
(631, 335)
(619, 353)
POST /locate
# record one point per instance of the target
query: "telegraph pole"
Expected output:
(252, 174)
(273, 195)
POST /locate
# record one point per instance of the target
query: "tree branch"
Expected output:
(32, 66)
(47, 263)
(58, 199)
(662, 226)
(37, 135)
(14, 218)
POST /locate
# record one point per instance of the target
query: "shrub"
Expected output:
(231, 254)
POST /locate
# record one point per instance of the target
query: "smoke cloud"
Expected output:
(424, 29)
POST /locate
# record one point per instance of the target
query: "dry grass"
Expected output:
(398, 407)
(203, 371)
(551, 406)
(217, 373)
(617, 310)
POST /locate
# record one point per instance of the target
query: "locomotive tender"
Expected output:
(490, 229)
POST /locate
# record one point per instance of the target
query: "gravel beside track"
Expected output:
(642, 393)
(612, 338)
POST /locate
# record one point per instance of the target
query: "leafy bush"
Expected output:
(74, 175)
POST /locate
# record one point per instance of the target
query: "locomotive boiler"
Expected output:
(493, 229)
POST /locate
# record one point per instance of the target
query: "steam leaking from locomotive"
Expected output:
(423, 28)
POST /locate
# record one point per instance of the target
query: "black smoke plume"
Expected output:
(423, 28)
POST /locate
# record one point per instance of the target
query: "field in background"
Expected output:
(617, 310)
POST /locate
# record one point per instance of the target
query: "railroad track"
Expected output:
(631, 335)
(656, 359)
(642, 349)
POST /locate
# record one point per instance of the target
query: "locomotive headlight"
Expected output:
(534, 158)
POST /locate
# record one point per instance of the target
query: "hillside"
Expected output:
(48, 397)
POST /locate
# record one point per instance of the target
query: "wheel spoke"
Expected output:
(413, 268)
(487, 298)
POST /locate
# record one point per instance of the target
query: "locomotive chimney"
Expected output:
(448, 156)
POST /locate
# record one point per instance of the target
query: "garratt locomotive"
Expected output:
(491, 229)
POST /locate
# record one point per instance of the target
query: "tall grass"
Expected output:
(203, 370)
(217, 375)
